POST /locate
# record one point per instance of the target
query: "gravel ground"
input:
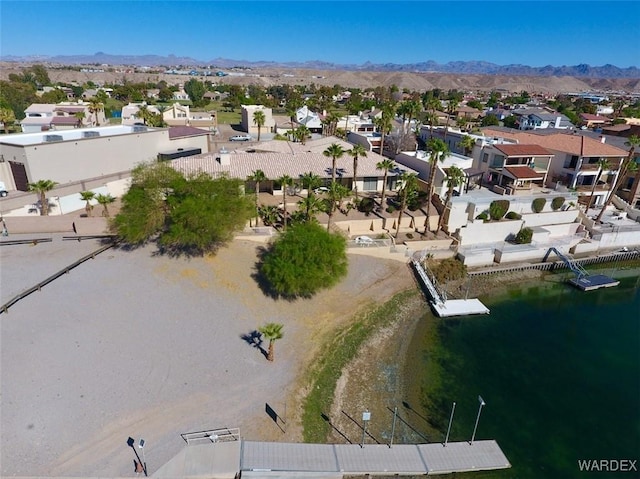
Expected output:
(134, 344)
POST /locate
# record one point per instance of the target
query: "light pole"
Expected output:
(366, 416)
(393, 424)
(446, 439)
(482, 403)
(131, 443)
(144, 461)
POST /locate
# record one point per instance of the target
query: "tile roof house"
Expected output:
(590, 120)
(61, 116)
(576, 162)
(534, 119)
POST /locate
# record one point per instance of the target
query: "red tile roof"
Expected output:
(523, 150)
(523, 173)
(65, 120)
(571, 143)
(184, 131)
(590, 117)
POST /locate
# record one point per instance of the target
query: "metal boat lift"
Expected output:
(583, 280)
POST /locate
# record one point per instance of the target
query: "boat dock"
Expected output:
(597, 281)
(442, 306)
(227, 459)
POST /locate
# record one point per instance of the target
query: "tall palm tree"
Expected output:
(452, 107)
(272, 332)
(258, 176)
(409, 187)
(383, 123)
(105, 200)
(334, 151)
(603, 164)
(335, 195)
(95, 107)
(87, 196)
(628, 164)
(467, 143)
(285, 181)
(310, 181)
(385, 165)
(358, 151)
(41, 187)
(259, 120)
(455, 177)
(302, 133)
(438, 150)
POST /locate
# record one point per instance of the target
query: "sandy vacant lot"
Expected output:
(133, 344)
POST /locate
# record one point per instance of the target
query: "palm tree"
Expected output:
(105, 200)
(386, 165)
(455, 177)
(603, 164)
(143, 113)
(95, 107)
(358, 151)
(438, 151)
(302, 133)
(272, 332)
(41, 187)
(383, 123)
(628, 164)
(334, 151)
(335, 195)
(258, 176)
(467, 143)
(285, 181)
(87, 196)
(312, 205)
(310, 181)
(409, 186)
(269, 214)
(258, 120)
(452, 107)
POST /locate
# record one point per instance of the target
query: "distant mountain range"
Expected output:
(470, 67)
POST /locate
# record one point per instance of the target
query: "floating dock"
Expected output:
(597, 281)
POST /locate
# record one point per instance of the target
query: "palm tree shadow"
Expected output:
(254, 338)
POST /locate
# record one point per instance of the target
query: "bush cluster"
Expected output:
(498, 208)
(366, 205)
(512, 215)
(524, 236)
(538, 205)
(449, 269)
(557, 203)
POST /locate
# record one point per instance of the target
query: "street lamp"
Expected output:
(144, 461)
(482, 403)
(366, 417)
(131, 443)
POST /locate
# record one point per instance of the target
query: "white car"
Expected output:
(321, 189)
(241, 138)
(364, 240)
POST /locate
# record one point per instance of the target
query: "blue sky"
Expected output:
(504, 32)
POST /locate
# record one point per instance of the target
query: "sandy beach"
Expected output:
(135, 344)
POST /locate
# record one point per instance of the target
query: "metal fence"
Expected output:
(223, 434)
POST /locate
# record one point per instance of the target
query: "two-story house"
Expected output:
(536, 119)
(61, 116)
(246, 119)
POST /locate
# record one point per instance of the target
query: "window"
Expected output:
(485, 157)
(497, 161)
(370, 183)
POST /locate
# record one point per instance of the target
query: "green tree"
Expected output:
(95, 107)
(41, 187)
(105, 201)
(336, 194)
(304, 260)
(258, 176)
(334, 151)
(438, 151)
(311, 205)
(7, 118)
(386, 166)
(409, 188)
(310, 181)
(196, 90)
(301, 134)
(269, 214)
(452, 107)
(628, 165)
(87, 196)
(509, 121)
(17, 96)
(455, 177)
(603, 164)
(272, 332)
(259, 120)
(358, 151)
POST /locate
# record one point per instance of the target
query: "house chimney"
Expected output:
(225, 157)
(603, 139)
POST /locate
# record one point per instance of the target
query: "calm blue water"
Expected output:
(559, 370)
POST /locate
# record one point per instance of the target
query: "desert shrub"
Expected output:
(524, 236)
(557, 203)
(483, 216)
(538, 204)
(449, 269)
(417, 201)
(366, 205)
(498, 208)
(512, 215)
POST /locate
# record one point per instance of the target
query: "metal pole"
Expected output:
(393, 425)
(446, 439)
(366, 415)
(482, 403)
(364, 431)
(144, 461)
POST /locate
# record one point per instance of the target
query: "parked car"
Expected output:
(246, 137)
(3, 189)
(364, 240)
(321, 189)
